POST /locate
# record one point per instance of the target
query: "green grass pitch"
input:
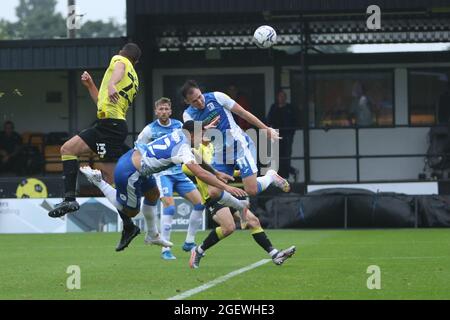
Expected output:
(329, 264)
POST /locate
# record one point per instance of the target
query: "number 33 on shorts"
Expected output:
(101, 149)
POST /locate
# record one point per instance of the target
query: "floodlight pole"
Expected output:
(71, 32)
(71, 79)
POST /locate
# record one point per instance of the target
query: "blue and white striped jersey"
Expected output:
(165, 152)
(155, 130)
(219, 104)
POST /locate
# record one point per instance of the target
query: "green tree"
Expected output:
(100, 29)
(3, 30)
(37, 19)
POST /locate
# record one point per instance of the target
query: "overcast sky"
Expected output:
(94, 9)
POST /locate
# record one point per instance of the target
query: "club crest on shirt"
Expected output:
(210, 106)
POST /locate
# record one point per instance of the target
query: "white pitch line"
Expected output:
(217, 281)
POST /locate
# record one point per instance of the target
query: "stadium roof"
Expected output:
(180, 7)
(320, 33)
(57, 54)
(203, 24)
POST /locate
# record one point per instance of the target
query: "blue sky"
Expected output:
(94, 9)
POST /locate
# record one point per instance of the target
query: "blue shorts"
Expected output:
(130, 185)
(243, 159)
(178, 182)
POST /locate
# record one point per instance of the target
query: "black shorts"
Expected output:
(107, 138)
(212, 207)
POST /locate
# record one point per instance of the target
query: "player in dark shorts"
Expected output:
(107, 137)
(225, 217)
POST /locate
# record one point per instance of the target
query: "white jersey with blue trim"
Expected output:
(218, 104)
(155, 130)
(165, 152)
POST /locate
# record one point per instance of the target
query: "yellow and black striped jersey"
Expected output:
(206, 151)
(127, 88)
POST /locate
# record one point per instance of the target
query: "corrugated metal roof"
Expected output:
(155, 7)
(320, 33)
(57, 54)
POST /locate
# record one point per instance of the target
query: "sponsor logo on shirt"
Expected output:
(210, 118)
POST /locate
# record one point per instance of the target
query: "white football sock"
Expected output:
(149, 213)
(110, 194)
(228, 200)
(264, 182)
(166, 228)
(195, 223)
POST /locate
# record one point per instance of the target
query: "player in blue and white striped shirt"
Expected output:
(237, 146)
(233, 149)
(134, 174)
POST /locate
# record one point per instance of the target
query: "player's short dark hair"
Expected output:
(132, 51)
(189, 126)
(188, 86)
(163, 100)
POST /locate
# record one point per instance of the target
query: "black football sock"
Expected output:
(213, 238)
(127, 222)
(70, 173)
(261, 238)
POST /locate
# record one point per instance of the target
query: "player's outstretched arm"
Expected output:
(219, 175)
(117, 75)
(210, 179)
(87, 81)
(247, 116)
(250, 118)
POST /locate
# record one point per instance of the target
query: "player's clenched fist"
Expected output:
(273, 134)
(86, 79)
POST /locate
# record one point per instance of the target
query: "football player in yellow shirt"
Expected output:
(205, 150)
(106, 138)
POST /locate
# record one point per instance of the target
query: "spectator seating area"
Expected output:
(43, 152)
